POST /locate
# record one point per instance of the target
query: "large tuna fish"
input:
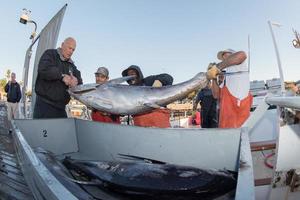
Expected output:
(156, 181)
(114, 98)
(62, 174)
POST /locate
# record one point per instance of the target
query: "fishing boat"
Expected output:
(200, 148)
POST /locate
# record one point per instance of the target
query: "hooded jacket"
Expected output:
(164, 78)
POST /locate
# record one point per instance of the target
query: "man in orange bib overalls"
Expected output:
(159, 118)
(233, 93)
(102, 76)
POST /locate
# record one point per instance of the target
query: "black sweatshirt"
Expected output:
(49, 85)
(165, 79)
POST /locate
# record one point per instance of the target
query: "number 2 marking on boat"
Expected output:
(45, 133)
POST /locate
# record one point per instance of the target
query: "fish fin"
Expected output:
(152, 105)
(148, 160)
(84, 88)
(120, 80)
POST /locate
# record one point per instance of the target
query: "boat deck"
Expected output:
(12, 183)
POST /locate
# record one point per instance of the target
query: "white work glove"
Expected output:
(212, 71)
(156, 83)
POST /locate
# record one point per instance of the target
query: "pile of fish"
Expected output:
(138, 179)
(115, 98)
(142, 180)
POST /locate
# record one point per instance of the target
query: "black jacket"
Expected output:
(208, 104)
(165, 79)
(13, 92)
(49, 85)
(207, 101)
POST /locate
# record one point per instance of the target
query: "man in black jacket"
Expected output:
(158, 117)
(208, 109)
(12, 88)
(56, 73)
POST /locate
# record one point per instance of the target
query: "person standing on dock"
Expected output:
(234, 97)
(158, 117)
(102, 76)
(56, 73)
(12, 88)
(208, 108)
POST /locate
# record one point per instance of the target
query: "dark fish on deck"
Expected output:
(156, 180)
(62, 174)
(112, 97)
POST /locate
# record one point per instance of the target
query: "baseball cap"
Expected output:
(103, 71)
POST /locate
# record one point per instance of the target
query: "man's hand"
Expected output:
(156, 83)
(73, 81)
(212, 71)
(66, 79)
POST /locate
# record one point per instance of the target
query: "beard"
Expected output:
(132, 82)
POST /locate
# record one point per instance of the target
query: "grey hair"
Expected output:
(69, 38)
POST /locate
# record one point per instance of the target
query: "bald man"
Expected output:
(56, 73)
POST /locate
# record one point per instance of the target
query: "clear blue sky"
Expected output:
(172, 36)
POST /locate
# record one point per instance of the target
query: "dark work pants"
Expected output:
(209, 119)
(45, 110)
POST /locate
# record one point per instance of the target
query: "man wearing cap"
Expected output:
(102, 76)
(234, 97)
(158, 117)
